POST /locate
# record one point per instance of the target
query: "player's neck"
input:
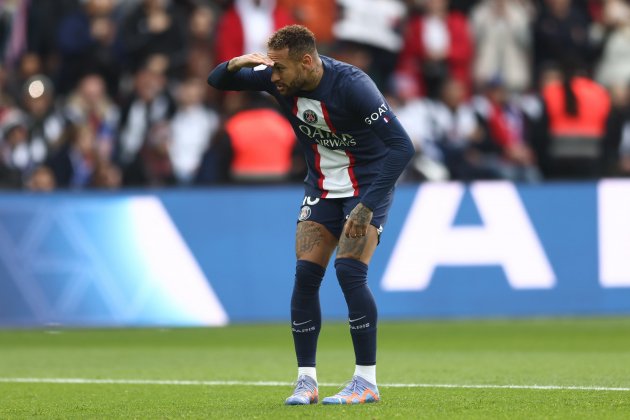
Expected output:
(315, 76)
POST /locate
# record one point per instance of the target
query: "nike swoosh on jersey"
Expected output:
(301, 323)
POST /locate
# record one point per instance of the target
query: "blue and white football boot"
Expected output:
(358, 391)
(305, 392)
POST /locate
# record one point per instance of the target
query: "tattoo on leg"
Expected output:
(353, 247)
(308, 236)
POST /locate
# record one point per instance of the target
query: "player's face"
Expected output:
(287, 74)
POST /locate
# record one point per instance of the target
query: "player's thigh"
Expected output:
(314, 243)
(361, 248)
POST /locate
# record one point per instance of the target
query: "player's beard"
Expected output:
(295, 86)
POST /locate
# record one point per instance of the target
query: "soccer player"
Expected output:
(355, 150)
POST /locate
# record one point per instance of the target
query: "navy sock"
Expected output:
(306, 315)
(352, 276)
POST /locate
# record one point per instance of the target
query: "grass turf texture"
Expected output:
(565, 352)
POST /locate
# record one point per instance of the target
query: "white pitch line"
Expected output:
(273, 383)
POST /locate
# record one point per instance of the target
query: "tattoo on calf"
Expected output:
(308, 236)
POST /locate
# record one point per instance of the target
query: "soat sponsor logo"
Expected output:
(327, 138)
(374, 116)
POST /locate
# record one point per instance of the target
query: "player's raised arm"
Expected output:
(243, 73)
(249, 60)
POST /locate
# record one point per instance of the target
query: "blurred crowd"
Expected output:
(112, 93)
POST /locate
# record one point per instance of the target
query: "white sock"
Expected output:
(309, 371)
(366, 372)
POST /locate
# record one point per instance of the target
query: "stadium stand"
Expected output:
(100, 93)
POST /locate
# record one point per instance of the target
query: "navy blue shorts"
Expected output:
(333, 212)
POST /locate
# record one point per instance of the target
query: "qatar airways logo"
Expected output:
(327, 138)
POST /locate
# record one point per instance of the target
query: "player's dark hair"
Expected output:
(297, 38)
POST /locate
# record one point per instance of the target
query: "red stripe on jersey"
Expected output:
(295, 107)
(353, 178)
(327, 118)
(320, 180)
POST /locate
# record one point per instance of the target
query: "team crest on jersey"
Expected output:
(310, 116)
(305, 213)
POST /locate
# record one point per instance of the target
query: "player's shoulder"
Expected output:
(344, 73)
(351, 84)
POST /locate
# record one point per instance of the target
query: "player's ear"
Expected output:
(307, 60)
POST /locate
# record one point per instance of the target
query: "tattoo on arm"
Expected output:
(307, 237)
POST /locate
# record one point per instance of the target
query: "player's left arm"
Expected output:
(375, 112)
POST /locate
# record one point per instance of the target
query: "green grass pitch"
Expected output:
(576, 355)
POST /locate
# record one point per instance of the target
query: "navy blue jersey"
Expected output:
(353, 143)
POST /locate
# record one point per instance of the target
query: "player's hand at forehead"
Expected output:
(249, 60)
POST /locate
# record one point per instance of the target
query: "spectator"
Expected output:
(511, 131)
(502, 43)
(614, 66)
(13, 30)
(154, 35)
(87, 41)
(374, 28)
(317, 15)
(156, 160)
(616, 146)
(29, 135)
(89, 105)
(7, 103)
(18, 157)
(73, 164)
(106, 175)
(201, 32)
(192, 127)
(463, 6)
(413, 114)
(246, 25)
(149, 104)
(43, 27)
(201, 39)
(456, 135)
(560, 31)
(577, 109)
(256, 145)
(437, 46)
(42, 179)
(26, 67)
(44, 120)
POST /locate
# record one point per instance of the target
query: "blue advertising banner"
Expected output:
(213, 256)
